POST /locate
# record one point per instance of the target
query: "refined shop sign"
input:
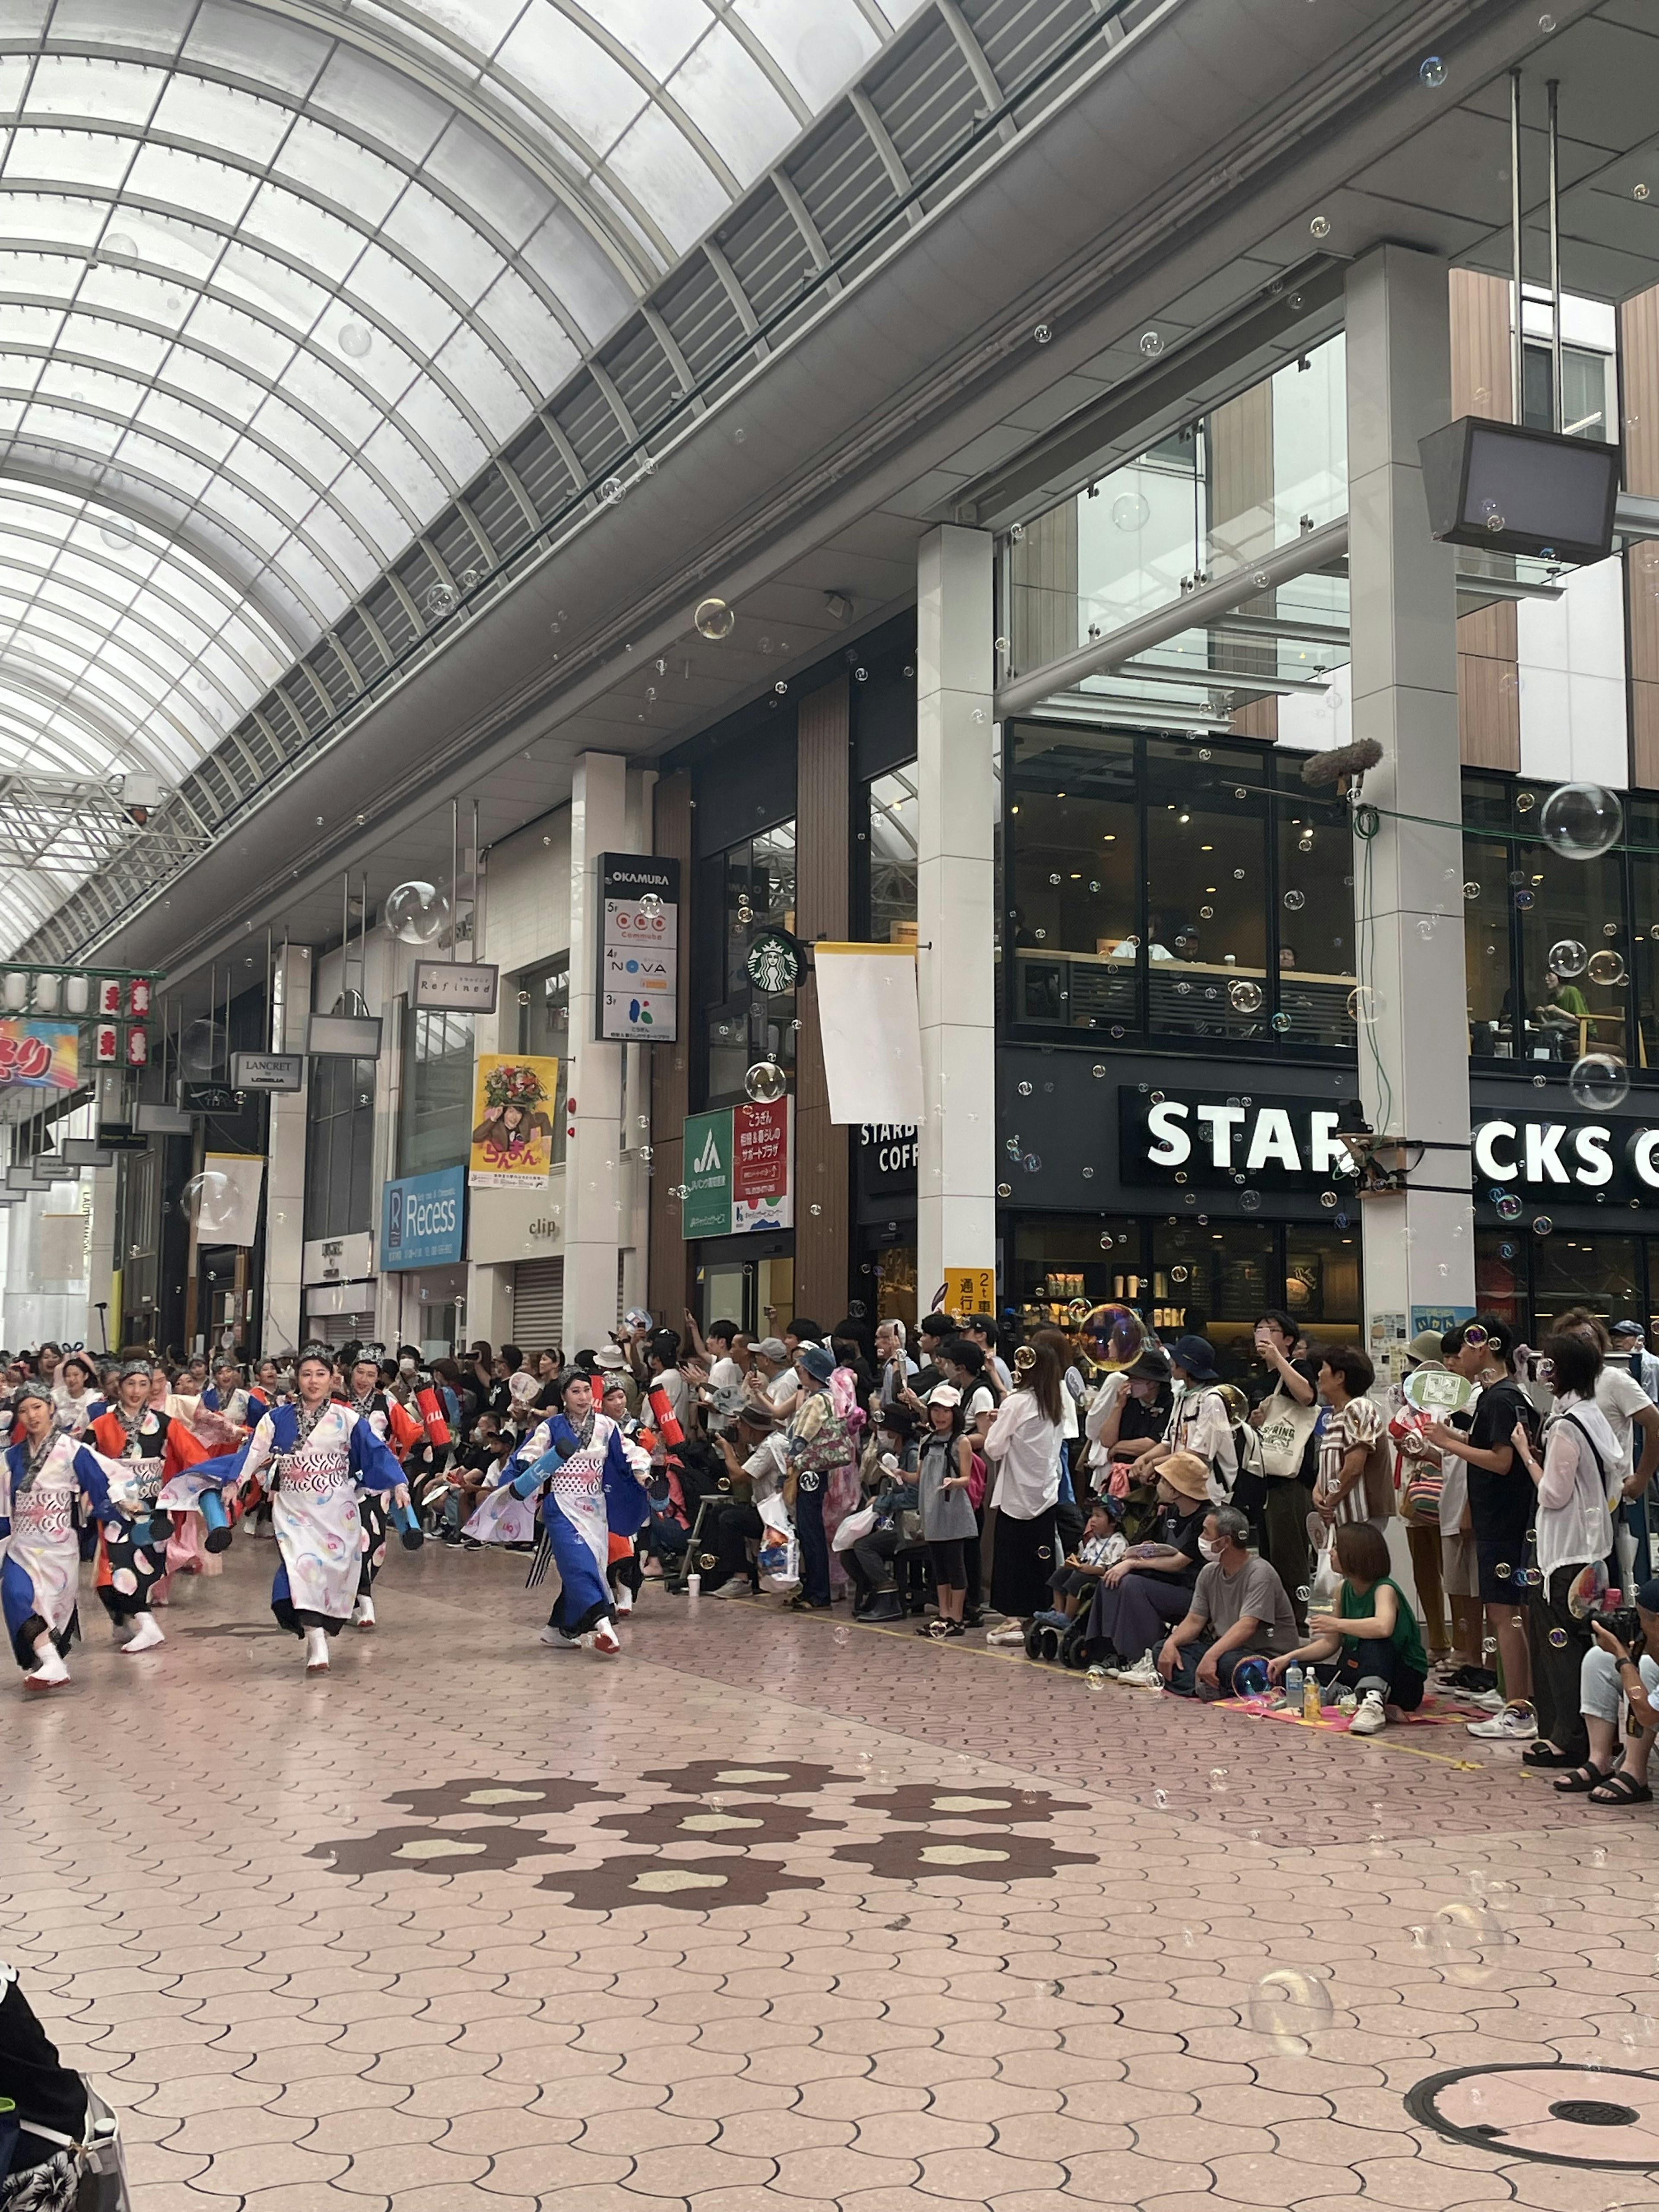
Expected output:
(1292, 1144)
(639, 949)
(1206, 1141)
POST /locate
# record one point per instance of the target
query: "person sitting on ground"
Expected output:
(1075, 1579)
(1239, 1609)
(1609, 1674)
(480, 1466)
(751, 1448)
(1371, 1633)
(888, 1477)
(1151, 1587)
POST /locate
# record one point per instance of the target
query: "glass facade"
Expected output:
(1531, 1280)
(544, 996)
(1560, 954)
(1159, 889)
(1190, 1278)
(435, 1120)
(891, 826)
(747, 888)
(340, 1193)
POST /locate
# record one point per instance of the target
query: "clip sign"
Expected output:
(453, 986)
(268, 1071)
(639, 949)
(971, 1290)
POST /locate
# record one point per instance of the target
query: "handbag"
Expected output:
(1285, 1436)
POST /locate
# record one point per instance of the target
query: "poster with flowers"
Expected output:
(515, 1097)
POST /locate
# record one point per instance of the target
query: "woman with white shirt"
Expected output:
(76, 1393)
(1024, 1446)
(1574, 1528)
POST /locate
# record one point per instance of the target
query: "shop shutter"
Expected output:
(537, 1305)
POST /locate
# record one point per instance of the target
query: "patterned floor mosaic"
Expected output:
(777, 1913)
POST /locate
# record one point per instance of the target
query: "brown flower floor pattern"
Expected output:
(912, 1854)
(925, 1802)
(691, 1885)
(504, 1796)
(764, 1776)
(432, 1851)
(745, 1820)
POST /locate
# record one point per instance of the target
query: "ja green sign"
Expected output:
(706, 1209)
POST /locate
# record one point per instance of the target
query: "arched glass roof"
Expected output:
(277, 279)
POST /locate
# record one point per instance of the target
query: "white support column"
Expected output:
(1413, 1057)
(285, 1161)
(956, 898)
(592, 1184)
(101, 1263)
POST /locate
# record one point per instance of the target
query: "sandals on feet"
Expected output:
(1545, 1754)
(1620, 1789)
(1582, 1780)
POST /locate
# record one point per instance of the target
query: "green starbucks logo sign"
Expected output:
(773, 962)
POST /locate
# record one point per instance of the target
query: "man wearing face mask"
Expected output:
(1239, 1607)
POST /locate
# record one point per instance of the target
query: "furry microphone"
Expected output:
(1345, 760)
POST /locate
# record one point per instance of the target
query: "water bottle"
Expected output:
(1293, 1684)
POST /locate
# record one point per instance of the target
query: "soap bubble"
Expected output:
(1131, 511)
(1246, 996)
(416, 913)
(1032, 1164)
(765, 1083)
(1113, 1336)
(1599, 1081)
(1463, 1936)
(1606, 969)
(1542, 1225)
(1471, 891)
(355, 340)
(1294, 901)
(1508, 1207)
(1581, 821)
(1042, 333)
(1151, 343)
(1328, 1199)
(1004, 1190)
(1293, 2008)
(1161, 1799)
(202, 1047)
(1568, 957)
(1250, 1201)
(714, 620)
(208, 1201)
(1321, 226)
(436, 601)
(1364, 1005)
(1025, 1089)
(1433, 72)
(1281, 1023)
(1558, 1639)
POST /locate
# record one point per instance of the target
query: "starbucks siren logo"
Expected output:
(773, 962)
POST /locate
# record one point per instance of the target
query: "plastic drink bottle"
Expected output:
(1310, 1697)
(1293, 1686)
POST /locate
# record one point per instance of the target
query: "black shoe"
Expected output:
(805, 1604)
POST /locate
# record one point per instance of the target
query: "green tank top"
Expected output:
(1408, 1636)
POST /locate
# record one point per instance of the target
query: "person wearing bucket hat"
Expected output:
(1130, 1411)
(1200, 1421)
(41, 1475)
(1150, 1588)
(818, 1445)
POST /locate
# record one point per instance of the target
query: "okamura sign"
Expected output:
(1292, 1144)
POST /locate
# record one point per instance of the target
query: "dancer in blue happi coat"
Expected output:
(593, 1482)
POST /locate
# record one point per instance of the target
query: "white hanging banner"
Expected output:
(872, 1031)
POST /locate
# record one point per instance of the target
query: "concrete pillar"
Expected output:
(285, 1162)
(593, 1182)
(1413, 1056)
(956, 893)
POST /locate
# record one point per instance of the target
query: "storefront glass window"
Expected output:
(1500, 1276)
(1321, 1282)
(1213, 1282)
(436, 1122)
(1064, 1257)
(544, 1025)
(1642, 828)
(1570, 1270)
(892, 833)
(747, 889)
(340, 1195)
(1159, 887)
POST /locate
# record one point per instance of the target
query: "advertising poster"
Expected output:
(40, 1056)
(423, 1220)
(760, 1166)
(639, 948)
(514, 1098)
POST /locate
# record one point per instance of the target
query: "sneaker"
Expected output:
(1516, 1724)
(1490, 1701)
(1143, 1675)
(1053, 1619)
(557, 1638)
(1372, 1716)
(1010, 1632)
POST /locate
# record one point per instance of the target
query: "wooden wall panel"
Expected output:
(667, 1278)
(1639, 399)
(1488, 677)
(1639, 405)
(1044, 623)
(1241, 447)
(822, 1239)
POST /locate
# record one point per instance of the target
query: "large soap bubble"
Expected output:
(765, 1083)
(1113, 1337)
(1580, 821)
(416, 913)
(714, 620)
(202, 1047)
(1569, 958)
(1294, 2009)
(1599, 1082)
(208, 1201)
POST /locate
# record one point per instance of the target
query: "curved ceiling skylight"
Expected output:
(275, 283)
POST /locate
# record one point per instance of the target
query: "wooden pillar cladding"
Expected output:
(668, 1271)
(1241, 524)
(1488, 676)
(823, 1236)
(1044, 623)
(1639, 403)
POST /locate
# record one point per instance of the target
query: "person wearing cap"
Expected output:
(152, 1447)
(751, 1447)
(1150, 1588)
(945, 1471)
(41, 1476)
(613, 1365)
(1615, 1772)
(818, 1445)
(772, 1380)
(1629, 1342)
